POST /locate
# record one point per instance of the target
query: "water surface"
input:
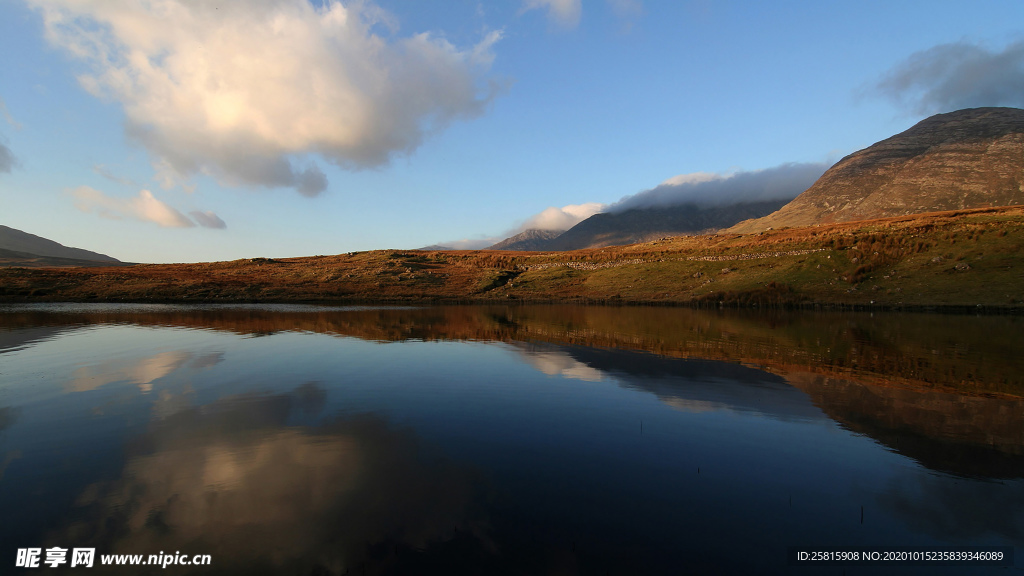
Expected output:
(506, 440)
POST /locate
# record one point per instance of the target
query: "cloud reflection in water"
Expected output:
(140, 371)
(231, 480)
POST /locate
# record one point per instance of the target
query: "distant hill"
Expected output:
(16, 246)
(971, 158)
(532, 239)
(26, 260)
(643, 225)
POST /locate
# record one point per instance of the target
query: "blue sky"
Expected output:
(175, 131)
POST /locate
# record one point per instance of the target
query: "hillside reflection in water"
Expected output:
(534, 439)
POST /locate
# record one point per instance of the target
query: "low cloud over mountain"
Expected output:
(685, 204)
(549, 219)
(705, 189)
(563, 218)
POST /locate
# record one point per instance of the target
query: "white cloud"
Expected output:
(144, 207)
(249, 92)
(691, 178)
(563, 12)
(208, 219)
(563, 218)
(954, 76)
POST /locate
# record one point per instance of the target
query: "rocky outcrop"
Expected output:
(971, 158)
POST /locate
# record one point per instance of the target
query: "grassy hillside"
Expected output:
(960, 258)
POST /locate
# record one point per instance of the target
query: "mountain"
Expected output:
(971, 158)
(646, 224)
(532, 239)
(16, 245)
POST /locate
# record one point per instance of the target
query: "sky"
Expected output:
(186, 130)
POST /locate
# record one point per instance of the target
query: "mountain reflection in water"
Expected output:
(691, 385)
(534, 439)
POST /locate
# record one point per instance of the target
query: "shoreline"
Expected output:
(958, 309)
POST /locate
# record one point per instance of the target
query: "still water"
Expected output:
(505, 440)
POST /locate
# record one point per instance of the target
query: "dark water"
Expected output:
(494, 440)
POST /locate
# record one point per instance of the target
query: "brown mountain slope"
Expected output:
(971, 158)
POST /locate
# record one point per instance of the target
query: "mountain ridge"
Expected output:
(647, 224)
(17, 241)
(528, 240)
(971, 158)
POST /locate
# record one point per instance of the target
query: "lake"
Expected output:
(506, 439)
